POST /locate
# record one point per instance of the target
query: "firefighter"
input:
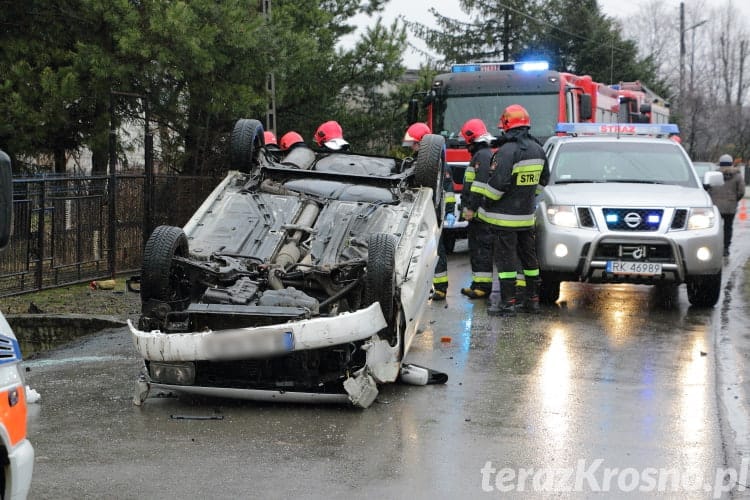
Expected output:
(518, 173)
(269, 139)
(726, 196)
(412, 138)
(481, 236)
(291, 140)
(330, 136)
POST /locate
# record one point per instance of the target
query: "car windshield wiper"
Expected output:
(635, 181)
(578, 181)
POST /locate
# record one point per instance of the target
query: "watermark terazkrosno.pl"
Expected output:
(595, 476)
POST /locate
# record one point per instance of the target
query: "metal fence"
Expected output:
(75, 229)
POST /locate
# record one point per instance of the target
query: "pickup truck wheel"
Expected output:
(704, 291)
(246, 141)
(380, 281)
(160, 278)
(549, 290)
(429, 169)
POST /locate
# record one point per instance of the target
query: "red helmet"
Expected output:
(269, 138)
(473, 130)
(514, 116)
(328, 131)
(290, 139)
(415, 132)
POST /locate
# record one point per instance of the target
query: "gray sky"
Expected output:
(418, 11)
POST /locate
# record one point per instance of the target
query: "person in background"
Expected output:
(481, 236)
(726, 196)
(412, 139)
(330, 136)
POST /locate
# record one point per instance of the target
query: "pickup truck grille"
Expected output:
(632, 219)
(641, 252)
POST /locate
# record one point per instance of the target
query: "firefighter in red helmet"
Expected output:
(412, 139)
(480, 234)
(290, 140)
(269, 139)
(518, 173)
(330, 136)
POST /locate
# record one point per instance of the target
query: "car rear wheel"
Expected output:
(246, 141)
(160, 279)
(429, 169)
(549, 289)
(704, 291)
(380, 281)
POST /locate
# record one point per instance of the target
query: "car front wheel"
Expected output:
(704, 291)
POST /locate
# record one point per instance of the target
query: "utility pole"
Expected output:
(270, 80)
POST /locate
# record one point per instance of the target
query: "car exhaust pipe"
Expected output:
(419, 375)
(290, 253)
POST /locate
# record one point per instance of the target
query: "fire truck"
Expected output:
(484, 90)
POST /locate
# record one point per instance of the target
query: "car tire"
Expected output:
(704, 291)
(246, 141)
(429, 169)
(549, 289)
(380, 281)
(160, 280)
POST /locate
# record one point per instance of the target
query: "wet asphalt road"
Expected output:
(609, 383)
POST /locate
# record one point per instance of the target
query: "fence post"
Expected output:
(112, 192)
(40, 227)
(148, 182)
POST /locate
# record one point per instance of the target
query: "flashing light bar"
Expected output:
(618, 128)
(500, 66)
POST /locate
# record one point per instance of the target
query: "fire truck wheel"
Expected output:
(380, 280)
(246, 141)
(429, 169)
(160, 278)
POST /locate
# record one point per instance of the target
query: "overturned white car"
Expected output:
(302, 277)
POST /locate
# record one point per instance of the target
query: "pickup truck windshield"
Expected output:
(621, 161)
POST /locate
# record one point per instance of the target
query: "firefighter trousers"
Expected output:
(440, 277)
(512, 247)
(481, 250)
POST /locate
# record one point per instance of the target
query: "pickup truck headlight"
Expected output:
(562, 215)
(701, 218)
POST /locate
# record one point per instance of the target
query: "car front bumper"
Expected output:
(259, 342)
(21, 466)
(586, 252)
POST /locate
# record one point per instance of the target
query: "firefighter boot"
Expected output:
(506, 306)
(531, 301)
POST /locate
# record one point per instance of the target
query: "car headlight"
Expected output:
(701, 218)
(562, 215)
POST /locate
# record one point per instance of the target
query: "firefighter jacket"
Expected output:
(726, 196)
(508, 188)
(480, 161)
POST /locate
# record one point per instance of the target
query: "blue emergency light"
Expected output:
(534, 66)
(618, 128)
(500, 66)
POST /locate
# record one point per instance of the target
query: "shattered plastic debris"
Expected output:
(445, 339)
(32, 396)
